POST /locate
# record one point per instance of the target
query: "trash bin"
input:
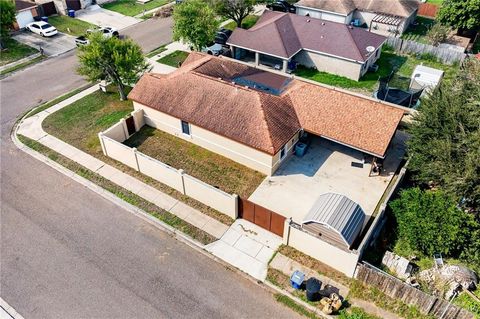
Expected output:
(296, 279)
(44, 19)
(71, 13)
(300, 149)
(312, 288)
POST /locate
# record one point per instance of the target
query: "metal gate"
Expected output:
(261, 216)
(130, 125)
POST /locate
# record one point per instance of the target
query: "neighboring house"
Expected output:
(25, 13)
(253, 116)
(283, 40)
(62, 6)
(389, 18)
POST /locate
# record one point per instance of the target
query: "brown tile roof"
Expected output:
(402, 8)
(285, 34)
(23, 5)
(201, 92)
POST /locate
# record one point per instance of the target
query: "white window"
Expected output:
(185, 128)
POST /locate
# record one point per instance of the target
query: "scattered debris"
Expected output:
(332, 304)
(397, 264)
(454, 278)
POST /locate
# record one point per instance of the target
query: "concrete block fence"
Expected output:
(111, 141)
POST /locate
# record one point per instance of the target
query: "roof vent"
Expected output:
(350, 26)
(370, 49)
(323, 23)
(308, 20)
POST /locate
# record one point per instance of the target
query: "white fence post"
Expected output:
(136, 158)
(286, 230)
(235, 198)
(102, 143)
(181, 172)
(123, 123)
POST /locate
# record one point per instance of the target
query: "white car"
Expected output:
(42, 28)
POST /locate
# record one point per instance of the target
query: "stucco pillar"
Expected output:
(285, 66)
(257, 58)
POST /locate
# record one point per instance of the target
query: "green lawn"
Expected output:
(69, 25)
(247, 23)
(131, 7)
(387, 62)
(467, 302)
(201, 163)
(156, 51)
(15, 51)
(417, 33)
(174, 59)
(437, 2)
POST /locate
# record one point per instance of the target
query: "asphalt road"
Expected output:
(67, 252)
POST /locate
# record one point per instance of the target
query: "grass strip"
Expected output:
(120, 192)
(13, 51)
(156, 51)
(290, 303)
(174, 59)
(57, 100)
(72, 26)
(23, 65)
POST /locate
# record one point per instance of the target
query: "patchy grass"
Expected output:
(156, 51)
(464, 300)
(380, 299)
(131, 7)
(290, 303)
(437, 2)
(68, 25)
(22, 65)
(247, 23)
(418, 32)
(79, 124)
(174, 59)
(314, 264)
(355, 313)
(120, 192)
(57, 100)
(15, 51)
(404, 64)
(201, 163)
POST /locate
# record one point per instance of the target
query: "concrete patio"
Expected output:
(327, 168)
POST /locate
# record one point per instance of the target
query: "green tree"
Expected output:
(430, 222)
(7, 18)
(194, 22)
(120, 62)
(237, 10)
(437, 34)
(461, 14)
(444, 148)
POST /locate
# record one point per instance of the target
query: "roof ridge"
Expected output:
(353, 40)
(293, 30)
(264, 119)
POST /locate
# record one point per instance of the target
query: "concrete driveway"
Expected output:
(52, 46)
(101, 17)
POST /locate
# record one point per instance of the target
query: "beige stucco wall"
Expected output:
(238, 152)
(117, 132)
(290, 149)
(120, 152)
(160, 171)
(329, 64)
(334, 257)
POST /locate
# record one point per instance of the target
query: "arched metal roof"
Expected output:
(339, 213)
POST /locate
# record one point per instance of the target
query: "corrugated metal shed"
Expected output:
(339, 213)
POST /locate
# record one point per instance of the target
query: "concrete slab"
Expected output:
(248, 246)
(231, 236)
(215, 228)
(264, 254)
(326, 167)
(102, 17)
(52, 46)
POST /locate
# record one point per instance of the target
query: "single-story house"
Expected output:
(282, 39)
(25, 12)
(389, 18)
(255, 117)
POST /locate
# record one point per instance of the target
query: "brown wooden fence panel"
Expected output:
(262, 217)
(48, 9)
(277, 224)
(246, 210)
(428, 10)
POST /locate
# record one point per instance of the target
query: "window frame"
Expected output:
(284, 151)
(183, 125)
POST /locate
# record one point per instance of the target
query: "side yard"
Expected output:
(132, 7)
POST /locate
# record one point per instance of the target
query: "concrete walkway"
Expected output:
(32, 128)
(102, 17)
(163, 68)
(247, 247)
(140, 16)
(18, 62)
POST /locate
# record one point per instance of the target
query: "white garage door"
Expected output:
(23, 18)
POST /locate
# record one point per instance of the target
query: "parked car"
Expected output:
(107, 32)
(222, 36)
(42, 28)
(215, 49)
(282, 5)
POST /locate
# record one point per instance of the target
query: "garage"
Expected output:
(25, 13)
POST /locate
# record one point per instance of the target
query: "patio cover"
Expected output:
(338, 213)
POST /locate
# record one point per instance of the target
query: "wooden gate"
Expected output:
(48, 9)
(261, 216)
(73, 4)
(130, 125)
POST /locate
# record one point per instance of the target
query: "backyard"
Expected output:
(404, 64)
(418, 32)
(201, 163)
(70, 25)
(15, 51)
(132, 7)
(174, 59)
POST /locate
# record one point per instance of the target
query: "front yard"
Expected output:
(174, 59)
(201, 163)
(70, 25)
(131, 7)
(15, 51)
(387, 62)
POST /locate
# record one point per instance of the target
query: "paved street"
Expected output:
(66, 252)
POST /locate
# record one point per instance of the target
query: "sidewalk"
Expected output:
(32, 128)
(170, 48)
(18, 62)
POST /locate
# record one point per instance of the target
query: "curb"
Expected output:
(9, 310)
(15, 63)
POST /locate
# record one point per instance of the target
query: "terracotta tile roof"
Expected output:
(201, 92)
(402, 8)
(285, 34)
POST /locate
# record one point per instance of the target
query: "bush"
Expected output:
(437, 34)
